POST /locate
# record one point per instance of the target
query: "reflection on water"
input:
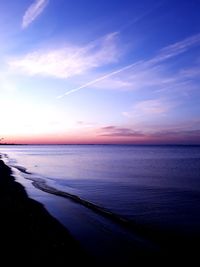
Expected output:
(158, 185)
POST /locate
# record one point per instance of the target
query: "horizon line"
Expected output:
(122, 144)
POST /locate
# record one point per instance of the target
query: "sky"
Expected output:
(100, 72)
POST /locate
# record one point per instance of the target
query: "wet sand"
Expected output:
(29, 234)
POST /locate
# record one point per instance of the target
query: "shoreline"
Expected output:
(158, 242)
(28, 232)
(43, 239)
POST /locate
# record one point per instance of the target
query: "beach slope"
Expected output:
(29, 234)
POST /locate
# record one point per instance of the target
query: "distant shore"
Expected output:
(101, 144)
(29, 234)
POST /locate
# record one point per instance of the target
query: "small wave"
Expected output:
(131, 225)
(21, 169)
(137, 229)
(2, 155)
(41, 184)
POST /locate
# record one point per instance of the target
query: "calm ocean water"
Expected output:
(156, 185)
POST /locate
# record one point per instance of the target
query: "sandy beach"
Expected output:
(29, 234)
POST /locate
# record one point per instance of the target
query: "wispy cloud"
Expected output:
(177, 48)
(96, 80)
(69, 60)
(182, 136)
(191, 72)
(33, 11)
(142, 73)
(147, 108)
(119, 131)
(84, 124)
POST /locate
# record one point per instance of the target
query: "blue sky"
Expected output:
(100, 71)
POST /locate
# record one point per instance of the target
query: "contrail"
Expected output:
(99, 79)
(142, 16)
(163, 55)
(122, 69)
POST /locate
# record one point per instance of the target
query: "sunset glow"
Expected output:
(123, 72)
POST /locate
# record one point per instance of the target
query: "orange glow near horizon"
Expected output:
(79, 83)
(98, 139)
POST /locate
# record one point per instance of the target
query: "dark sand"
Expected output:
(28, 233)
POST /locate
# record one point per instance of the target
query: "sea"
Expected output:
(157, 186)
